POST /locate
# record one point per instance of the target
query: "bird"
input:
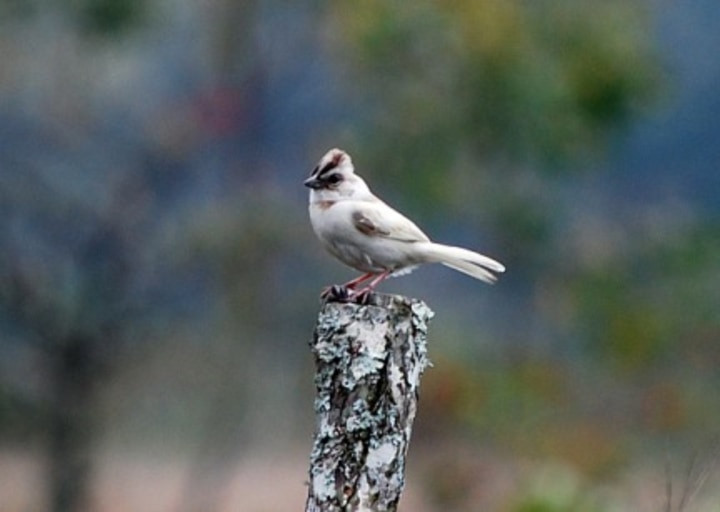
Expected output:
(363, 232)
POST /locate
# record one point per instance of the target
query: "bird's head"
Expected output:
(334, 177)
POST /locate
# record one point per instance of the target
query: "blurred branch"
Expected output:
(695, 476)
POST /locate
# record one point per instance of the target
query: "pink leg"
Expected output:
(345, 290)
(369, 288)
(358, 280)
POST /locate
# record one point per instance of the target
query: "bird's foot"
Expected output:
(335, 292)
(342, 293)
(362, 297)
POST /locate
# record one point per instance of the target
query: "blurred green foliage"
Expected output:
(646, 306)
(556, 488)
(496, 81)
(107, 18)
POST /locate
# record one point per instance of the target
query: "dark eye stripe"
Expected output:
(326, 169)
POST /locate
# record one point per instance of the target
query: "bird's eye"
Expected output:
(334, 179)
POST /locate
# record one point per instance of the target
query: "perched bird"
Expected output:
(368, 235)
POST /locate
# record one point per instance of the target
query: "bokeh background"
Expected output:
(159, 279)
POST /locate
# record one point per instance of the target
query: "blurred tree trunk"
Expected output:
(73, 377)
(369, 363)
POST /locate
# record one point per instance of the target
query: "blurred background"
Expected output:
(159, 280)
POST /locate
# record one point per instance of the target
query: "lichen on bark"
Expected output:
(369, 361)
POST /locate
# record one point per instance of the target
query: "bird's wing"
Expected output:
(378, 219)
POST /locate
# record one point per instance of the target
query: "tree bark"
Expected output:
(369, 361)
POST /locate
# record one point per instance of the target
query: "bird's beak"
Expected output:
(313, 183)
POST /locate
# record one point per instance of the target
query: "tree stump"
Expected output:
(369, 361)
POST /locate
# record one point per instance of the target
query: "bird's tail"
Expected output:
(465, 261)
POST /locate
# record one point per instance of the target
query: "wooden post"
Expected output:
(369, 362)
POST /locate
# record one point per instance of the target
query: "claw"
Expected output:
(336, 293)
